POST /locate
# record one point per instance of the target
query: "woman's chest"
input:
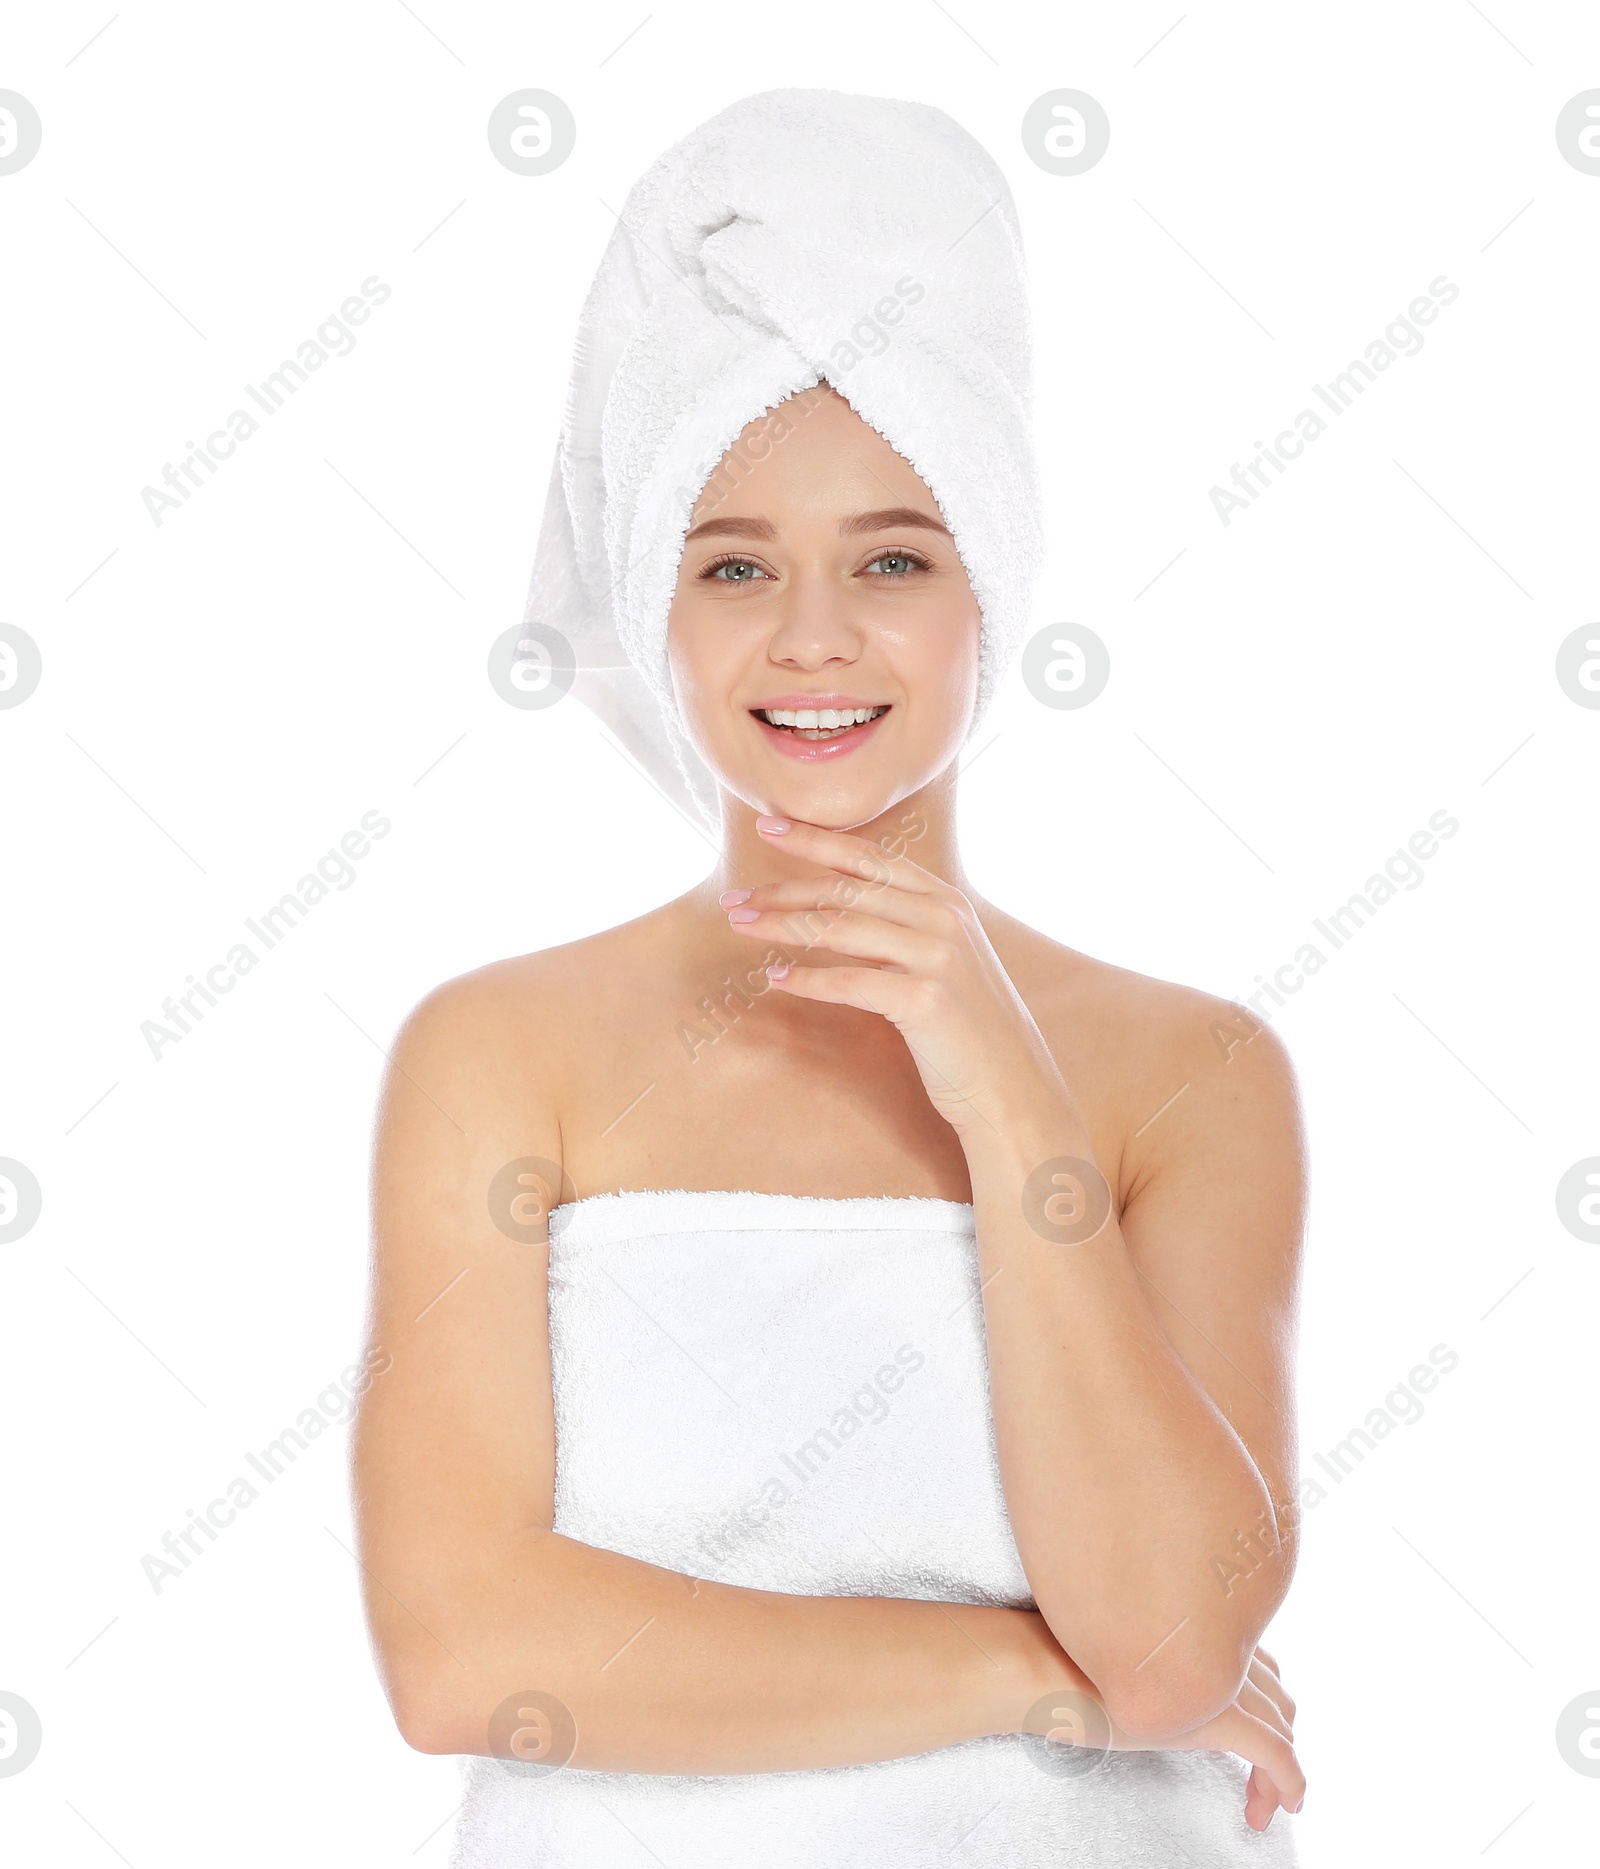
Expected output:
(734, 1092)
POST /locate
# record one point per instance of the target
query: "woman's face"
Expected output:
(817, 574)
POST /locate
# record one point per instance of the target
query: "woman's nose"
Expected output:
(814, 623)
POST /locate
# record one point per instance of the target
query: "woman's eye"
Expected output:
(895, 564)
(736, 571)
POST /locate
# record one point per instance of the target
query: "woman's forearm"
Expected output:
(661, 1673)
(1130, 1483)
(1123, 1480)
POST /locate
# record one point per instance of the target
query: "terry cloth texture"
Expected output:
(798, 236)
(789, 1392)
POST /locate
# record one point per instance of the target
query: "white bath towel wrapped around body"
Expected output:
(792, 1394)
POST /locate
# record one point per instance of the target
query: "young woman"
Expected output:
(841, 1405)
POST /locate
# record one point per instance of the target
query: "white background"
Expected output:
(226, 694)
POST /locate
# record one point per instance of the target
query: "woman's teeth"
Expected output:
(819, 723)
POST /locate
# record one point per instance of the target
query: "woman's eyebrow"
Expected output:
(890, 519)
(885, 519)
(734, 528)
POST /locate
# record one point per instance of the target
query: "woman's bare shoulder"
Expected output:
(545, 985)
(511, 1029)
(1143, 1038)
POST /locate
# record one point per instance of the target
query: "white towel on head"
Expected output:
(795, 237)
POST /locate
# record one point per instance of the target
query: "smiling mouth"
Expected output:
(823, 723)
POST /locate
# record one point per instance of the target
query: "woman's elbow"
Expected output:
(425, 1713)
(424, 1730)
(1169, 1701)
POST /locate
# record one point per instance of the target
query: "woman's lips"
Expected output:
(793, 746)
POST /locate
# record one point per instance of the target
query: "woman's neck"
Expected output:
(921, 827)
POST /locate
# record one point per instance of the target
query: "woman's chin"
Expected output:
(835, 807)
(832, 814)
(838, 794)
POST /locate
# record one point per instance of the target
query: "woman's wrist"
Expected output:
(1032, 1667)
(1032, 1121)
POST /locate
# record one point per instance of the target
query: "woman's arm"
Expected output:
(1141, 1378)
(472, 1599)
(1131, 1470)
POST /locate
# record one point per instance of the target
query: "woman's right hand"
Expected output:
(1258, 1727)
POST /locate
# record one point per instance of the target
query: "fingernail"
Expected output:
(778, 970)
(731, 898)
(744, 915)
(774, 825)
